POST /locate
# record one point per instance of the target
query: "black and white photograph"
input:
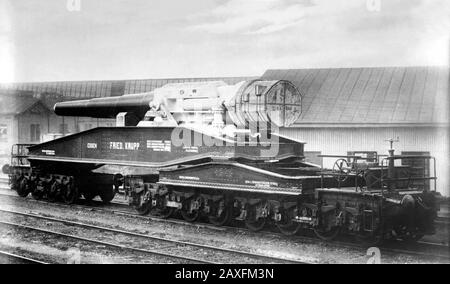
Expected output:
(226, 138)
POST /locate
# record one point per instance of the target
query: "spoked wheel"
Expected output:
(107, 194)
(287, 225)
(70, 193)
(341, 170)
(256, 216)
(55, 188)
(23, 187)
(190, 211)
(220, 213)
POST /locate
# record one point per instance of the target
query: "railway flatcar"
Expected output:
(212, 150)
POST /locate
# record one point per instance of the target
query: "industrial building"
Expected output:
(358, 109)
(343, 109)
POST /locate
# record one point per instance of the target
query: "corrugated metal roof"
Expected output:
(141, 86)
(378, 95)
(12, 104)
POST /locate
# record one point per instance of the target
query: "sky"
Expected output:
(68, 40)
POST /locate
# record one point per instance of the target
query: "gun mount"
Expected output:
(199, 105)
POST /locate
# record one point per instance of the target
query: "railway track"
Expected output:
(105, 244)
(122, 208)
(11, 258)
(118, 208)
(420, 248)
(163, 247)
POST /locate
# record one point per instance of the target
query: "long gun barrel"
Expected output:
(106, 107)
(206, 103)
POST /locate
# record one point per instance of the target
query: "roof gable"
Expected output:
(14, 105)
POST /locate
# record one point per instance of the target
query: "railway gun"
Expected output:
(208, 149)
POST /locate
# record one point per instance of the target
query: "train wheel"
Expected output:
(143, 209)
(161, 210)
(70, 193)
(55, 188)
(370, 239)
(143, 202)
(89, 195)
(412, 238)
(328, 228)
(165, 213)
(407, 235)
(188, 214)
(286, 225)
(289, 229)
(14, 182)
(23, 187)
(220, 214)
(191, 209)
(327, 234)
(256, 216)
(37, 194)
(107, 194)
(39, 190)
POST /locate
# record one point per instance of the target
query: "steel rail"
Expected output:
(22, 259)
(117, 246)
(184, 243)
(132, 214)
(225, 228)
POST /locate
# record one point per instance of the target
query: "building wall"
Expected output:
(18, 128)
(25, 120)
(7, 125)
(76, 124)
(337, 141)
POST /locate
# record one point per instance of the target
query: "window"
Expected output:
(35, 132)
